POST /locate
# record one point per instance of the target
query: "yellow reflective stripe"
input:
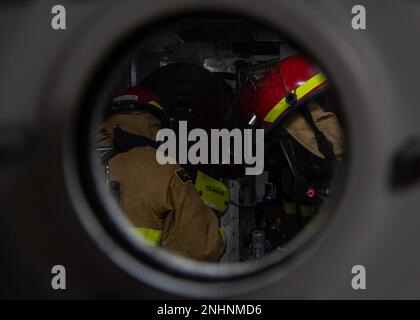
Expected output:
(300, 92)
(307, 211)
(224, 238)
(155, 104)
(290, 208)
(213, 192)
(223, 234)
(151, 236)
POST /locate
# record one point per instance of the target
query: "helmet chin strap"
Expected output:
(324, 145)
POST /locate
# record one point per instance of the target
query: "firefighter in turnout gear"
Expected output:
(291, 100)
(160, 201)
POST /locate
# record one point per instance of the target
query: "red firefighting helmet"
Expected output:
(139, 99)
(289, 84)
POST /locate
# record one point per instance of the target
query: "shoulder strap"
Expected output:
(106, 154)
(123, 142)
(325, 146)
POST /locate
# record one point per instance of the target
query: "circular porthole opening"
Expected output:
(214, 148)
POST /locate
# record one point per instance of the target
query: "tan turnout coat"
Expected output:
(153, 196)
